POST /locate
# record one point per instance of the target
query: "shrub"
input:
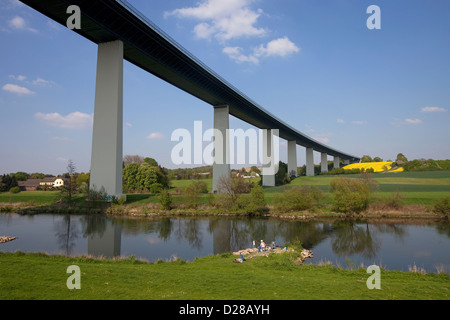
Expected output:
(442, 207)
(298, 199)
(350, 195)
(395, 201)
(193, 191)
(165, 199)
(156, 187)
(14, 190)
(257, 203)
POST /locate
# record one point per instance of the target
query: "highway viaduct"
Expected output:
(122, 32)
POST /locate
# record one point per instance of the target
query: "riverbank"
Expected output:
(37, 276)
(412, 212)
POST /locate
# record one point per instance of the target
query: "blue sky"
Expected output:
(314, 64)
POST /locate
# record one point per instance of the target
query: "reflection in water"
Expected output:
(154, 238)
(349, 239)
(66, 234)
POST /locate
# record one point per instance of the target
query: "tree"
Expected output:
(21, 176)
(70, 185)
(130, 172)
(151, 162)
(132, 159)
(7, 182)
(146, 176)
(282, 177)
(366, 158)
(401, 159)
(377, 159)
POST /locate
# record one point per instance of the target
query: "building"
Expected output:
(36, 184)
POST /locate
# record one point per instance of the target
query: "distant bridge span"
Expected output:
(143, 44)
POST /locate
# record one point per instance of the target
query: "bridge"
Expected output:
(122, 32)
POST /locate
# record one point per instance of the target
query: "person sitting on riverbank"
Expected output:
(262, 246)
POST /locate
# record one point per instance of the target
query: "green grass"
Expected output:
(37, 197)
(417, 188)
(38, 276)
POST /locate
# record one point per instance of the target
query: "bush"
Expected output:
(298, 199)
(350, 195)
(156, 187)
(257, 203)
(14, 190)
(193, 191)
(165, 199)
(442, 207)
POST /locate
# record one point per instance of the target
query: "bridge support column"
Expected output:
(107, 137)
(309, 162)
(292, 158)
(347, 162)
(337, 163)
(323, 162)
(269, 168)
(221, 165)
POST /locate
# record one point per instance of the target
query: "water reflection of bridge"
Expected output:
(232, 234)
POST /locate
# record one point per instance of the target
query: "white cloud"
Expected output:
(128, 124)
(413, 121)
(20, 24)
(279, 47)
(236, 54)
(75, 120)
(339, 120)
(155, 136)
(233, 19)
(433, 109)
(13, 88)
(42, 82)
(62, 159)
(18, 78)
(226, 19)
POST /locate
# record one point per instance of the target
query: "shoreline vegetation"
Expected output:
(363, 196)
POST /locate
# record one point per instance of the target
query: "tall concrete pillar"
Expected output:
(292, 158)
(221, 165)
(346, 162)
(337, 163)
(269, 167)
(323, 162)
(310, 162)
(107, 137)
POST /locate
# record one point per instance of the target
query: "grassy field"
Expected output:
(416, 188)
(277, 277)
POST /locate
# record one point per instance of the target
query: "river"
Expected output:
(393, 245)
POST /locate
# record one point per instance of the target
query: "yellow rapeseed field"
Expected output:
(377, 166)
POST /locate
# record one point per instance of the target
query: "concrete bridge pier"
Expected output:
(323, 162)
(292, 158)
(221, 165)
(309, 162)
(336, 163)
(269, 167)
(107, 137)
